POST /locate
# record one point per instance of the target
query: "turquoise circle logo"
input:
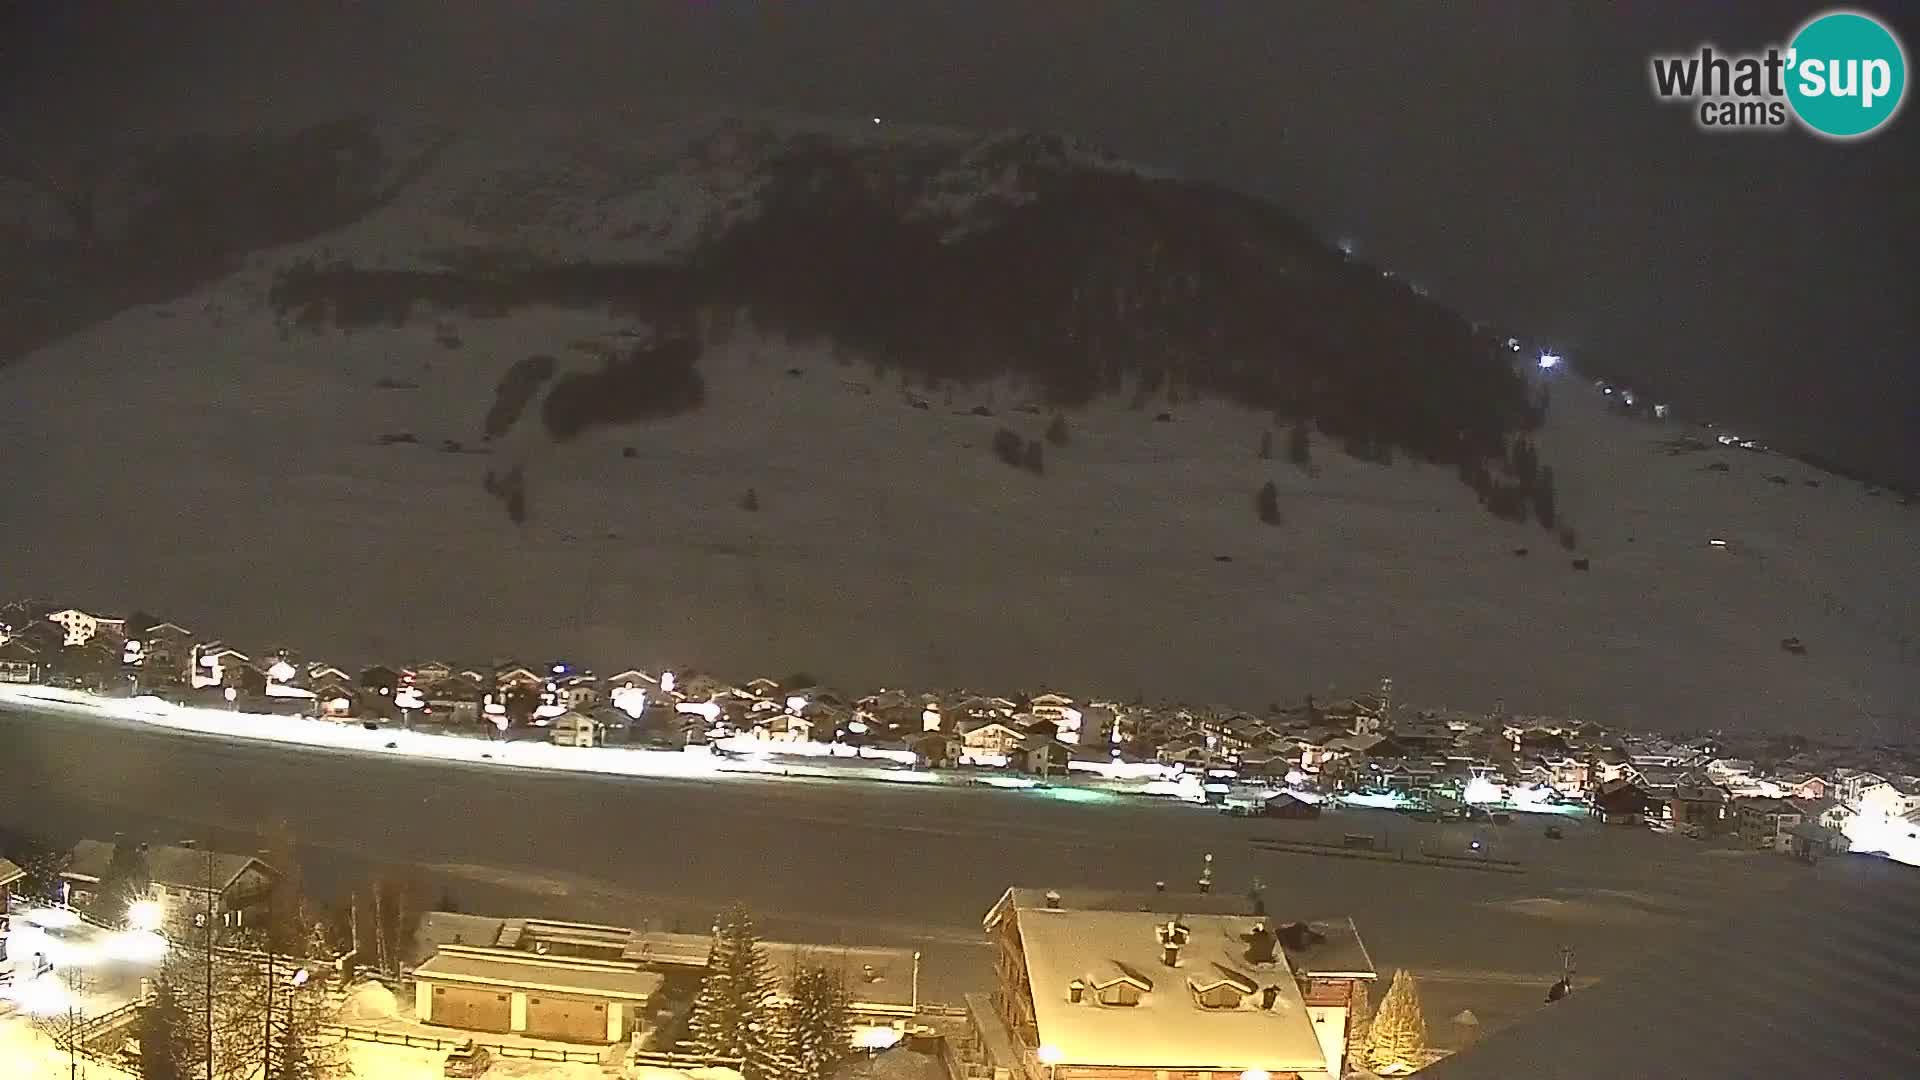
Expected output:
(1847, 74)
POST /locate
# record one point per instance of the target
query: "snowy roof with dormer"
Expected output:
(1169, 1027)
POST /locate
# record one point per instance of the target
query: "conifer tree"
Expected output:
(1398, 1038)
(818, 1032)
(734, 1015)
(165, 1052)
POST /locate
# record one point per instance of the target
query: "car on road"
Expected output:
(467, 1060)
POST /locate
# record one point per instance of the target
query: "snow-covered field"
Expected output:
(188, 460)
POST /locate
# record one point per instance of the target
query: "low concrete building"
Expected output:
(881, 983)
(502, 990)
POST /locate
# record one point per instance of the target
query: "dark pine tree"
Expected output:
(161, 1031)
(1300, 445)
(1266, 445)
(818, 1027)
(1267, 503)
(734, 1015)
(1057, 430)
(1543, 497)
(125, 880)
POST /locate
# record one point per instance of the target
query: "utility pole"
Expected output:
(206, 918)
(266, 1043)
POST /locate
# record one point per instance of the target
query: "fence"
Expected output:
(1419, 857)
(662, 1060)
(430, 1042)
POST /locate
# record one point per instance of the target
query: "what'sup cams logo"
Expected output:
(1843, 75)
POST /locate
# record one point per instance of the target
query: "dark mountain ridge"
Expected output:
(1080, 281)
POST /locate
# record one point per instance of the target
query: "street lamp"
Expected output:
(1050, 1057)
(144, 915)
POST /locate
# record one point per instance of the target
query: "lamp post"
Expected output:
(916, 983)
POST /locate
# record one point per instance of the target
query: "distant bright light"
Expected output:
(1716, 542)
(876, 1038)
(1346, 245)
(1254, 1074)
(1388, 800)
(796, 703)
(666, 682)
(1050, 1055)
(410, 698)
(631, 700)
(700, 708)
(1480, 791)
(231, 694)
(144, 914)
(281, 671)
(1549, 360)
(857, 727)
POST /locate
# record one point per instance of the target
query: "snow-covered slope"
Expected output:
(205, 459)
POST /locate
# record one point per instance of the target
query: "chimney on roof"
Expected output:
(1159, 886)
(1260, 944)
(1269, 995)
(1053, 900)
(1172, 937)
(1076, 990)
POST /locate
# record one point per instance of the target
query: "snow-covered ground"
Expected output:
(188, 460)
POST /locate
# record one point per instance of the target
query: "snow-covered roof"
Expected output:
(1169, 1028)
(559, 974)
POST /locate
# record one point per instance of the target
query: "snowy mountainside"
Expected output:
(314, 447)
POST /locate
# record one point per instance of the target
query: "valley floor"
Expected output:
(872, 864)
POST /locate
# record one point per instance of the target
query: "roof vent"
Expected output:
(1076, 990)
(1053, 900)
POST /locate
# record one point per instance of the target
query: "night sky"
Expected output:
(1508, 157)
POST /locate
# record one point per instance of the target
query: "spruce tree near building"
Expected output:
(165, 1049)
(1397, 1041)
(125, 880)
(734, 1015)
(818, 1029)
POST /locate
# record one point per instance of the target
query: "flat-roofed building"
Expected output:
(545, 996)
